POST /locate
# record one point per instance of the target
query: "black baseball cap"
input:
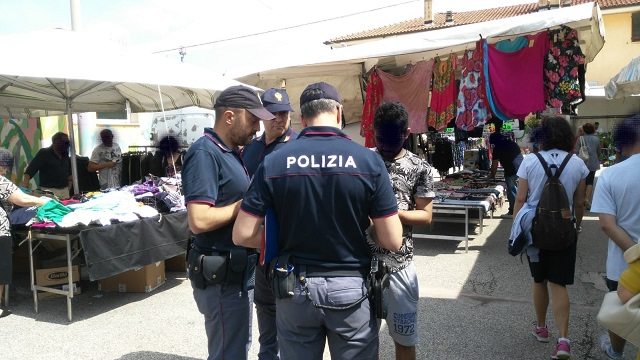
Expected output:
(243, 97)
(276, 100)
(320, 90)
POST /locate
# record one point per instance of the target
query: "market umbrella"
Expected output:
(61, 71)
(626, 82)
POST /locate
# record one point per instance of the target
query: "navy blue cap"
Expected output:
(276, 100)
(243, 97)
(320, 90)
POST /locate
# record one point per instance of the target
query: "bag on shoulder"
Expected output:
(553, 226)
(622, 319)
(584, 150)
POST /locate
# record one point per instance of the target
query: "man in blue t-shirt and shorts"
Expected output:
(412, 182)
(214, 181)
(325, 190)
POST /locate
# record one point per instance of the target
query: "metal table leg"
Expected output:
(67, 238)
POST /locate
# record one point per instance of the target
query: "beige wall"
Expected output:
(618, 49)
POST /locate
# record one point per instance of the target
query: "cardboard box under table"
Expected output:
(144, 279)
(57, 278)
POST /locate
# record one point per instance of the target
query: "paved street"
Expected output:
(474, 305)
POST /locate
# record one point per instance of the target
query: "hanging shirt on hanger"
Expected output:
(443, 93)
(412, 90)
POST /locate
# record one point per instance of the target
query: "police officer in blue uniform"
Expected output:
(214, 181)
(325, 191)
(277, 133)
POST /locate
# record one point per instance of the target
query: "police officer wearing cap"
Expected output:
(325, 191)
(214, 181)
(277, 132)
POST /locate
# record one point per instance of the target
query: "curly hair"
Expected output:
(554, 132)
(169, 145)
(391, 113)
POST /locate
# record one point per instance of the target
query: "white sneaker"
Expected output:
(605, 345)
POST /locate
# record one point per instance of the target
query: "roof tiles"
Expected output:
(463, 18)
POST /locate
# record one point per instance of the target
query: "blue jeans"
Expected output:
(512, 190)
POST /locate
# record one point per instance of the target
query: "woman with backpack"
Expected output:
(591, 142)
(552, 254)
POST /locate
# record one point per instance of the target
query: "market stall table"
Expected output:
(113, 249)
(459, 197)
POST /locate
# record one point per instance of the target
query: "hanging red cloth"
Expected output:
(411, 90)
(443, 93)
(372, 101)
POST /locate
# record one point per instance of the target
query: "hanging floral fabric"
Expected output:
(471, 108)
(372, 102)
(561, 65)
(516, 78)
(443, 93)
(411, 90)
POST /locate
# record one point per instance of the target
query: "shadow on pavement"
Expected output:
(90, 303)
(144, 355)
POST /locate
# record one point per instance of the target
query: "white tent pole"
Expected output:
(72, 150)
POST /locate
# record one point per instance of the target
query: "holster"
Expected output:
(379, 280)
(281, 277)
(242, 269)
(194, 266)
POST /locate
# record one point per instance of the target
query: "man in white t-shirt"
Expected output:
(616, 201)
(106, 159)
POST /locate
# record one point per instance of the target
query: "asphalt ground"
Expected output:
(473, 305)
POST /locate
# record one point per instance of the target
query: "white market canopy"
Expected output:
(345, 67)
(60, 71)
(45, 68)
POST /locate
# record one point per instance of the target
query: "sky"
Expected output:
(257, 28)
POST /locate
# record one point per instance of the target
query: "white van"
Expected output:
(187, 125)
(187, 128)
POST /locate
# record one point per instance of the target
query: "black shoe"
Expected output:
(5, 313)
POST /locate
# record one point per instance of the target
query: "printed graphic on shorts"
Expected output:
(404, 324)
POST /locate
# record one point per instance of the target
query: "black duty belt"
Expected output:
(209, 252)
(321, 271)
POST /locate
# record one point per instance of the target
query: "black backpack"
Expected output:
(553, 226)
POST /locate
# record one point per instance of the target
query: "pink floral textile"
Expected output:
(562, 86)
